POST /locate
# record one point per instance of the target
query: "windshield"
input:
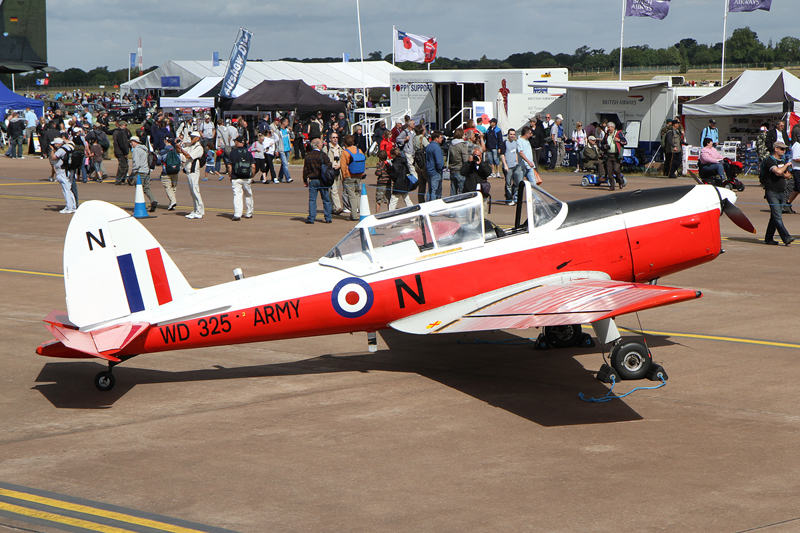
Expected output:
(545, 206)
(352, 248)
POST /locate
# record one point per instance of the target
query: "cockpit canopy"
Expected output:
(428, 230)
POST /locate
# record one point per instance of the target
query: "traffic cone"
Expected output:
(363, 206)
(139, 207)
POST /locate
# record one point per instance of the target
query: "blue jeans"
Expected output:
(775, 201)
(513, 177)
(284, 171)
(456, 183)
(313, 187)
(716, 167)
(16, 146)
(527, 172)
(434, 186)
(492, 158)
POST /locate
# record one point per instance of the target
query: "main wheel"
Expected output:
(104, 381)
(563, 336)
(585, 181)
(631, 360)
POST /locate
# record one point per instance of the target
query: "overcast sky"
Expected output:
(468, 29)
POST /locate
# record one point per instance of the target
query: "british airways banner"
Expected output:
(236, 64)
(740, 6)
(657, 9)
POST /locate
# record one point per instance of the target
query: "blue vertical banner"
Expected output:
(215, 59)
(346, 57)
(133, 59)
(236, 64)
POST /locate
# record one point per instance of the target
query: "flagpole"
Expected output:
(621, 33)
(724, 36)
(361, 51)
(394, 38)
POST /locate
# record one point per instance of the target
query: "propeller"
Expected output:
(734, 213)
(737, 216)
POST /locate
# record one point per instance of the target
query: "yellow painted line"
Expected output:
(162, 526)
(130, 204)
(27, 183)
(66, 520)
(715, 338)
(31, 272)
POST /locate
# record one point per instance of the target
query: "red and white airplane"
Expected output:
(439, 267)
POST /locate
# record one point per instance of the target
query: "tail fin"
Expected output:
(114, 267)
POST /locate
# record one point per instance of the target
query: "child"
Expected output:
(210, 156)
(97, 161)
(387, 144)
(384, 173)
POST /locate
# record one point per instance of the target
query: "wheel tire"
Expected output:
(631, 360)
(729, 186)
(563, 336)
(740, 188)
(624, 181)
(104, 381)
(585, 182)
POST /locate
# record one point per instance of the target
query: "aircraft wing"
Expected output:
(553, 303)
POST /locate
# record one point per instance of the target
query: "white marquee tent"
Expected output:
(740, 106)
(330, 75)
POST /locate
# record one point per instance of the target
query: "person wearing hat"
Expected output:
(591, 157)
(773, 178)
(494, 140)
(121, 138)
(190, 157)
(243, 168)
(57, 154)
(141, 168)
(557, 138)
(710, 132)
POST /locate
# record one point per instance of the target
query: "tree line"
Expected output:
(743, 46)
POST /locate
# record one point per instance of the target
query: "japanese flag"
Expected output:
(416, 48)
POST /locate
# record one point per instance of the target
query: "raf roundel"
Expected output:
(352, 298)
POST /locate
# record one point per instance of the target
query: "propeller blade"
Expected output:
(737, 216)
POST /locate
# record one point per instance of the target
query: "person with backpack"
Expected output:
(192, 158)
(121, 137)
(420, 142)
(773, 178)
(243, 168)
(96, 156)
(353, 169)
(141, 167)
(57, 154)
(171, 167)
(315, 165)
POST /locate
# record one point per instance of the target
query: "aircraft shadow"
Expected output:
(498, 368)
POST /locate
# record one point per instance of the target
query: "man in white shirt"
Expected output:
(795, 173)
(207, 129)
(190, 157)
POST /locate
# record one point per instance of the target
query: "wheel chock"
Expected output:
(656, 373)
(607, 374)
(541, 343)
(586, 341)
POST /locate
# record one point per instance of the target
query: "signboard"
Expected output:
(236, 64)
(171, 81)
(482, 108)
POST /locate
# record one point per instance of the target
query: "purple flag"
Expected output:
(741, 6)
(657, 9)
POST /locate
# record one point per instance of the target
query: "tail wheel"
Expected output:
(563, 336)
(104, 381)
(631, 360)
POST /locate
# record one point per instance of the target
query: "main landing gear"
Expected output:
(629, 360)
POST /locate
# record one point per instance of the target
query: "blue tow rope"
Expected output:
(608, 397)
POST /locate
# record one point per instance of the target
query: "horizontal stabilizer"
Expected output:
(546, 304)
(104, 343)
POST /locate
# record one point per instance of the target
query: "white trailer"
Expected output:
(448, 98)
